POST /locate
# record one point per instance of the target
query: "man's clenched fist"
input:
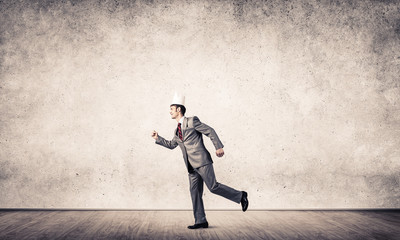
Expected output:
(154, 134)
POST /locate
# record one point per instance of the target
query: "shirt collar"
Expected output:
(181, 120)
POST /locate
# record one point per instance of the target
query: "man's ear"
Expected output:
(178, 109)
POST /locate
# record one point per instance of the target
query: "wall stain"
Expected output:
(386, 185)
(7, 170)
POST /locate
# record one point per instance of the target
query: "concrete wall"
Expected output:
(305, 95)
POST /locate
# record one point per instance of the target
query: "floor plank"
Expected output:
(28, 224)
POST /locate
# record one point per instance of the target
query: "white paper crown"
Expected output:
(178, 99)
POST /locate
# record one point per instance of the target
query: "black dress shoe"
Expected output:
(244, 201)
(199, 225)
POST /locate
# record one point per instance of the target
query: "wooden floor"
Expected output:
(24, 224)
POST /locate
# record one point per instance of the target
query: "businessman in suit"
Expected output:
(189, 137)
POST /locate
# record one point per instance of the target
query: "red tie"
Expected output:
(180, 131)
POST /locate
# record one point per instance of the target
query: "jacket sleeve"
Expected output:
(208, 131)
(166, 143)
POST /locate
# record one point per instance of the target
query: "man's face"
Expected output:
(173, 112)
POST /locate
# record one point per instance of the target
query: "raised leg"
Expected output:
(207, 174)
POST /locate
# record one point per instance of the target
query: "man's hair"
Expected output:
(183, 109)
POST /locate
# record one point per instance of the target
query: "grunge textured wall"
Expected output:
(305, 95)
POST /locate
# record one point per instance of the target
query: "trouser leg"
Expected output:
(196, 192)
(207, 174)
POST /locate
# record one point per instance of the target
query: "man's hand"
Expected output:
(220, 152)
(154, 135)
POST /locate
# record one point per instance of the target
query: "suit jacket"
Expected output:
(192, 146)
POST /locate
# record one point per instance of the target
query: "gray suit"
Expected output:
(199, 163)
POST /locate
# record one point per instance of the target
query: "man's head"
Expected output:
(177, 107)
(177, 110)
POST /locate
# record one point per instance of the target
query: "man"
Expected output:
(188, 135)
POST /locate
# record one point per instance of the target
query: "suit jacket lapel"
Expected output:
(184, 127)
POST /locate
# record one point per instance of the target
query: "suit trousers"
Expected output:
(206, 174)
